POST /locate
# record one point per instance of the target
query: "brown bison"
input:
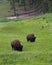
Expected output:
(16, 45)
(31, 37)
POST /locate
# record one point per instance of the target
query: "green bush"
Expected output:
(4, 20)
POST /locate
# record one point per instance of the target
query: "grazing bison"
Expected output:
(16, 45)
(31, 37)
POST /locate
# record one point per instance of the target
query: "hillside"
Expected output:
(37, 53)
(5, 9)
(21, 7)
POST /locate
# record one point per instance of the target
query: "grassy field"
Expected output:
(36, 53)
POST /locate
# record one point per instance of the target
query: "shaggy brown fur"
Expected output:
(31, 37)
(16, 45)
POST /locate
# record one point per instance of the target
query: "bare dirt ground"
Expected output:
(27, 15)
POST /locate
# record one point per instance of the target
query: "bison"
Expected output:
(16, 45)
(31, 37)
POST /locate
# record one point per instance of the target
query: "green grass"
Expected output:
(36, 53)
